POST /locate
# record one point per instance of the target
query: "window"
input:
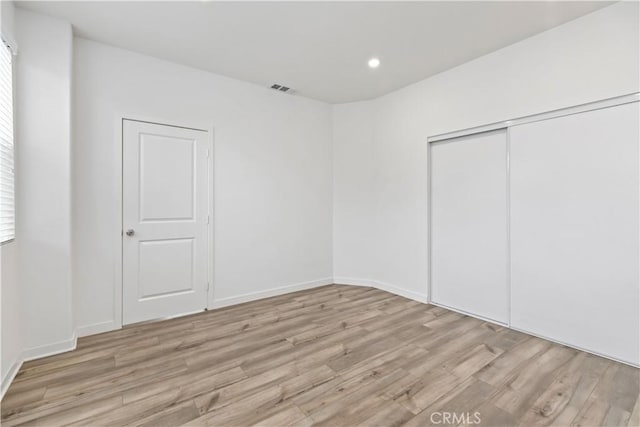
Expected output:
(7, 204)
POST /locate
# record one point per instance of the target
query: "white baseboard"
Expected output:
(97, 328)
(353, 281)
(8, 379)
(416, 296)
(50, 349)
(239, 299)
(36, 353)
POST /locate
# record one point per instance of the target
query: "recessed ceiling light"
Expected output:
(374, 63)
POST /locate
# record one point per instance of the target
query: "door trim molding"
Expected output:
(565, 111)
(117, 228)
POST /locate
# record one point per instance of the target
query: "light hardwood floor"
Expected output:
(334, 356)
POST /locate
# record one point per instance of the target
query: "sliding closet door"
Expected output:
(574, 230)
(469, 224)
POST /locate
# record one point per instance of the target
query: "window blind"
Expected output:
(7, 192)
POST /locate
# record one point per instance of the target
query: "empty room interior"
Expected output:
(367, 213)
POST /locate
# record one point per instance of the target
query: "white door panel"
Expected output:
(469, 224)
(166, 267)
(165, 205)
(167, 180)
(574, 230)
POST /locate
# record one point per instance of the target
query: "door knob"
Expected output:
(130, 232)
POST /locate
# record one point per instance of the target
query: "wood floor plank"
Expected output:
(174, 416)
(69, 416)
(597, 405)
(463, 400)
(429, 390)
(524, 389)
(390, 414)
(503, 367)
(252, 407)
(634, 418)
(563, 393)
(286, 416)
(350, 406)
(75, 398)
(490, 416)
(330, 356)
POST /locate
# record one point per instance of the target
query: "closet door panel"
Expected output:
(574, 230)
(469, 224)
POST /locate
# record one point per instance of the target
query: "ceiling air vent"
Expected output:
(281, 88)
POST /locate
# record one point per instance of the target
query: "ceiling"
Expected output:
(320, 49)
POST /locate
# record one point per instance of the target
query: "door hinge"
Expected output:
(207, 153)
(207, 286)
(208, 218)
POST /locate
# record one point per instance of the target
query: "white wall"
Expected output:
(354, 193)
(11, 344)
(36, 267)
(591, 58)
(12, 328)
(273, 185)
(43, 193)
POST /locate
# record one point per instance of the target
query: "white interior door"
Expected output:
(574, 230)
(165, 220)
(469, 258)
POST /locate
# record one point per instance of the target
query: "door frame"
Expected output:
(118, 220)
(507, 125)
